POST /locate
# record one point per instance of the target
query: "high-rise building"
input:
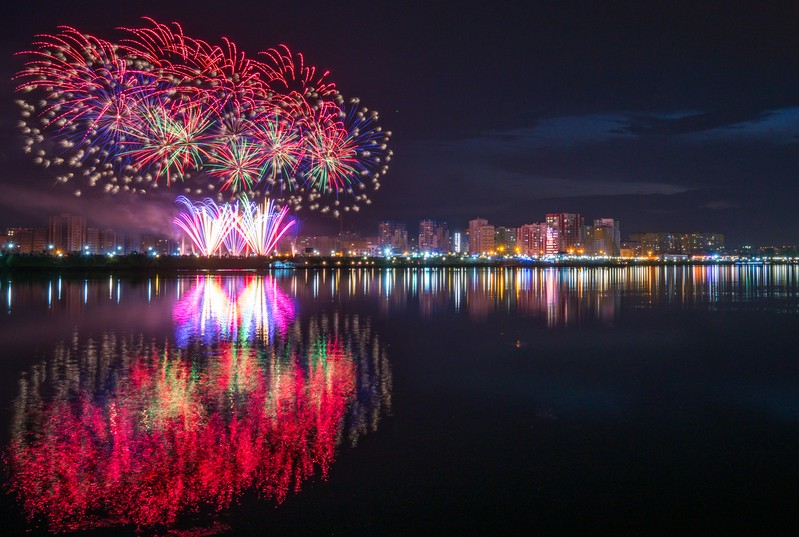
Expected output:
(552, 239)
(433, 236)
(603, 238)
(93, 240)
(564, 233)
(108, 241)
(67, 233)
(392, 235)
(427, 236)
(571, 236)
(481, 237)
(531, 239)
(458, 243)
(41, 242)
(443, 238)
(505, 240)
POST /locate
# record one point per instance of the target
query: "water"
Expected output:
(402, 401)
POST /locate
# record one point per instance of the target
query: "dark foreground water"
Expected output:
(415, 402)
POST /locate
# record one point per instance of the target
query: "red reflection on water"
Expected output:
(171, 436)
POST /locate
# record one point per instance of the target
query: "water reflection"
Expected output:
(129, 430)
(559, 296)
(245, 309)
(256, 307)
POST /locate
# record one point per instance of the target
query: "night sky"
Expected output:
(671, 118)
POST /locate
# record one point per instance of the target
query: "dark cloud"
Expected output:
(719, 205)
(690, 123)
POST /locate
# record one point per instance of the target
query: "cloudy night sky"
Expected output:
(670, 117)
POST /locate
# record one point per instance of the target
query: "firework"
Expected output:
(239, 164)
(160, 107)
(206, 224)
(262, 225)
(234, 241)
(239, 226)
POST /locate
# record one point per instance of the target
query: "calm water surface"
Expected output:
(416, 401)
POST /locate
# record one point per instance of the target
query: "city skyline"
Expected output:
(675, 117)
(229, 231)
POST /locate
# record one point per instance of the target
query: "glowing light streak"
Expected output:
(262, 225)
(244, 223)
(205, 223)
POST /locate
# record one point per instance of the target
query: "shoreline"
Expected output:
(140, 263)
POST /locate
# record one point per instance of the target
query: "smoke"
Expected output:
(150, 213)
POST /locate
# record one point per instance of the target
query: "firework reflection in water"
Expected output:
(129, 431)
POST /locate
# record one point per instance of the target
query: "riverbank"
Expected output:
(136, 263)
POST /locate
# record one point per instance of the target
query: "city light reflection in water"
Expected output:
(126, 430)
(560, 296)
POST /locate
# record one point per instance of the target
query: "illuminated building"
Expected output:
(571, 236)
(458, 242)
(564, 233)
(433, 236)
(351, 243)
(67, 232)
(392, 235)
(701, 243)
(427, 236)
(92, 240)
(603, 238)
(552, 239)
(317, 245)
(20, 240)
(505, 240)
(694, 243)
(531, 239)
(481, 236)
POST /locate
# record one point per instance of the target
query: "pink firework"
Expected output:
(287, 74)
(263, 225)
(206, 224)
(331, 158)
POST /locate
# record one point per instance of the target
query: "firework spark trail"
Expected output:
(234, 241)
(205, 223)
(262, 226)
(289, 77)
(239, 163)
(238, 226)
(170, 139)
(281, 141)
(161, 106)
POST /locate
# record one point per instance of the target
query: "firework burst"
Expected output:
(160, 107)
